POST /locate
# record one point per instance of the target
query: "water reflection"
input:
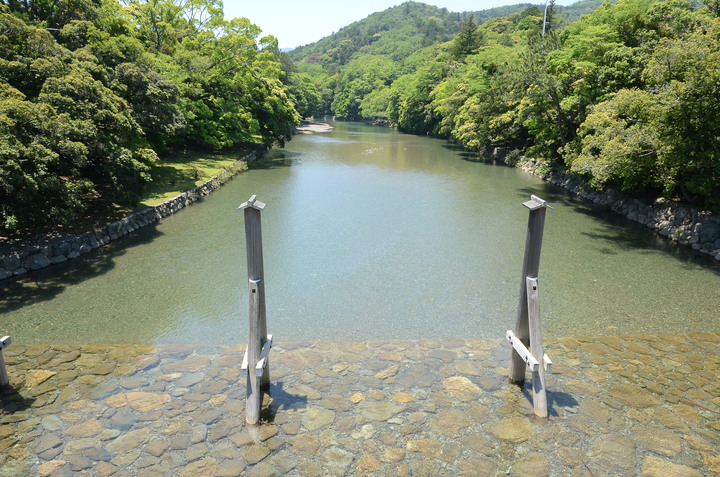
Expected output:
(371, 234)
(48, 283)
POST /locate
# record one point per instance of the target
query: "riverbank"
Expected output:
(55, 247)
(678, 222)
(642, 405)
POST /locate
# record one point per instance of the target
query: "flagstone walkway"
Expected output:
(642, 405)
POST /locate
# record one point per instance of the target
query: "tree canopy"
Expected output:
(626, 95)
(93, 92)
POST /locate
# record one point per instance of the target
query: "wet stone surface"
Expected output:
(646, 405)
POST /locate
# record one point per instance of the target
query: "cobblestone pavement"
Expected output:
(641, 405)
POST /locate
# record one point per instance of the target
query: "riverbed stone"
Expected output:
(123, 419)
(533, 465)
(53, 467)
(307, 443)
(195, 451)
(231, 468)
(7, 431)
(103, 369)
(188, 365)
(390, 356)
(633, 396)
(78, 463)
(462, 388)
(402, 397)
(429, 448)
(104, 469)
(595, 410)
(659, 441)
(201, 468)
(49, 423)
(336, 460)
(49, 446)
(476, 466)
(393, 454)
(97, 454)
(156, 448)
(317, 418)
(429, 429)
(367, 464)
(416, 376)
(450, 423)
(127, 441)
(139, 401)
(378, 411)
(468, 368)
(80, 446)
(514, 429)
(613, 452)
(659, 467)
(89, 428)
(36, 377)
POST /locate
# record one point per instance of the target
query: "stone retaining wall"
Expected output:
(43, 251)
(678, 222)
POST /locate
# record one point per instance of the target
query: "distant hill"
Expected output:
(402, 30)
(572, 13)
(413, 25)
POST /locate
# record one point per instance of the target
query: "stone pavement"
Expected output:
(641, 405)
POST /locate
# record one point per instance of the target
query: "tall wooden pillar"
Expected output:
(531, 266)
(256, 360)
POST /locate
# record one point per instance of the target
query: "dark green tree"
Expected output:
(467, 41)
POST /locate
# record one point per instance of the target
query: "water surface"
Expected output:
(369, 234)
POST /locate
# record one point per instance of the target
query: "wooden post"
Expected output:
(4, 343)
(536, 348)
(531, 265)
(256, 360)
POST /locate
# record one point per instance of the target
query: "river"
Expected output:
(369, 234)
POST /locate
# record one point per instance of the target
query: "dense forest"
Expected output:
(93, 92)
(628, 95)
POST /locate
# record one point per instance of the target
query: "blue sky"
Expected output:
(300, 22)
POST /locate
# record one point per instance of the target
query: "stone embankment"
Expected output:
(41, 252)
(680, 223)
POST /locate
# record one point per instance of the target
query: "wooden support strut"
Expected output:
(527, 339)
(536, 348)
(531, 266)
(5, 341)
(257, 353)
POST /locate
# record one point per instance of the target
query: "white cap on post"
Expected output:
(252, 202)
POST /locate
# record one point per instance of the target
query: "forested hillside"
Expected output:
(627, 96)
(93, 91)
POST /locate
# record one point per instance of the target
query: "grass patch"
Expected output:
(177, 174)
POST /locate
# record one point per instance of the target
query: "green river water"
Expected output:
(369, 234)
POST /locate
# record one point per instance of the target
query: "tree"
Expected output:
(621, 143)
(65, 137)
(467, 41)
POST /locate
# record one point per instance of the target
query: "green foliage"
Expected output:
(84, 110)
(626, 95)
(467, 41)
(621, 142)
(664, 135)
(65, 142)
